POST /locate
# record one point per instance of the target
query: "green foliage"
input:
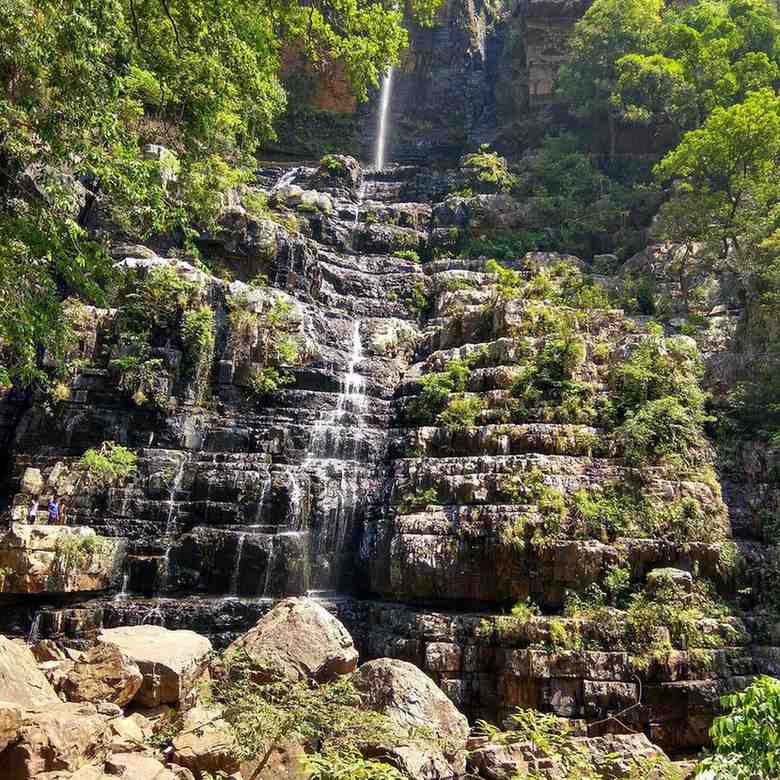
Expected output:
(197, 331)
(419, 300)
(408, 254)
(661, 431)
(525, 610)
(609, 30)
(349, 765)
(267, 337)
(160, 308)
(579, 208)
(461, 412)
(436, 389)
(746, 738)
(703, 56)
(333, 716)
(87, 85)
(546, 387)
(487, 170)
(110, 464)
(726, 187)
(75, 551)
(334, 165)
(268, 380)
(416, 502)
(504, 245)
(660, 402)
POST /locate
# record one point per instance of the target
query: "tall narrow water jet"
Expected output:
(384, 104)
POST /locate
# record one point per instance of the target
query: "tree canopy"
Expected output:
(85, 84)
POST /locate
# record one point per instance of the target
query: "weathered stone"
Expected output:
(21, 682)
(48, 650)
(170, 661)
(104, 675)
(32, 553)
(10, 721)
(681, 581)
(298, 640)
(409, 698)
(32, 482)
(60, 736)
(499, 762)
(285, 760)
(205, 743)
(137, 766)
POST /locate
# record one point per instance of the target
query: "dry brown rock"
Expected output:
(285, 760)
(206, 743)
(10, 721)
(61, 736)
(48, 650)
(297, 640)
(105, 674)
(413, 701)
(21, 682)
(137, 766)
(170, 661)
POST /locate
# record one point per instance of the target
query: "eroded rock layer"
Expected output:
(374, 421)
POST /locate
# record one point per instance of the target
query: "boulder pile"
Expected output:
(140, 704)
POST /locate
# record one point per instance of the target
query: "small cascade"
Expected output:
(237, 564)
(296, 499)
(384, 105)
(361, 195)
(35, 630)
(352, 400)
(170, 520)
(286, 178)
(267, 486)
(122, 595)
(269, 568)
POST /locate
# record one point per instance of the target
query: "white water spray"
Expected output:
(384, 104)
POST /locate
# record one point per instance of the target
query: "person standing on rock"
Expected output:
(63, 516)
(54, 511)
(32, 512)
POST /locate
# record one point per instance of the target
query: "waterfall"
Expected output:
(237, 564)
(384, 104)
(170, 520)
(35, 630)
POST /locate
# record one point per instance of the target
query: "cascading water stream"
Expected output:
(170, 520)
(384, 105)
(237, 565)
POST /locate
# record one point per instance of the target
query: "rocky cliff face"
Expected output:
(478, 75)
(299, 446)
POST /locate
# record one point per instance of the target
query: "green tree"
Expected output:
(85, 84)
(609, 30)
(746, 739)
(705, 55)
(724, 177)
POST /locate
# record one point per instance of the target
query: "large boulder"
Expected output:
(105, 674)
(61, 736)
(298, 640)
(170, 661)
(205, 743)
(411, 699)
(10, 721)
(21, 682)
(137, 766)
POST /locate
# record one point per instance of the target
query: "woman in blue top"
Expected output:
(54, 511)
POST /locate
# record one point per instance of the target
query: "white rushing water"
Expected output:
(384, 105)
